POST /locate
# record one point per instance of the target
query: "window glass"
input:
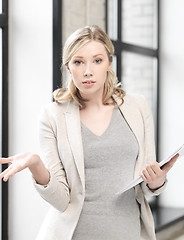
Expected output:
(0, 6)
(112, 19)
(0, 115)
(139, 21)
(114, 64)
(139, 75)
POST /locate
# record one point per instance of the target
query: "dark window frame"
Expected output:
(121, 46)
(57, 43)
(174, 215)
(4, 26)
(164, 217)
(118, 44)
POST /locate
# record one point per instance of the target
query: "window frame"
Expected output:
(4, 134)
(57, 43)
(121, 46)
(158, 212)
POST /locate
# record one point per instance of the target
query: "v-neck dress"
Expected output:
(109, 162)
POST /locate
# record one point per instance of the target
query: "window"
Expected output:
(4, 112)
(57, 43)
(1, 116)
(132, 26)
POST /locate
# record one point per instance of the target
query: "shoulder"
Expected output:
(138, 101)
(137, 105)
(53, 110)
(129, 98)
(55, 107)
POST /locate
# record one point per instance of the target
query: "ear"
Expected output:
(68, 68)
(110, 66)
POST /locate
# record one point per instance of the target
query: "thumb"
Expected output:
(170, 164)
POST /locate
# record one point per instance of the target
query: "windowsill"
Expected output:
(164, 217)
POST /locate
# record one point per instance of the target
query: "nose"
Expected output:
(88, 70)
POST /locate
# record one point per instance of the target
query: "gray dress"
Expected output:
(109, 165)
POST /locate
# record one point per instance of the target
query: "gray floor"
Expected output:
(174, 232)
(179, 238)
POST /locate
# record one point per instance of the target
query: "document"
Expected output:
(138, 180)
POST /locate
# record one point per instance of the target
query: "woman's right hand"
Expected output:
(25, 160)
(17, 164)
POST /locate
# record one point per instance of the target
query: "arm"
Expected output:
(56, 192)
(49, 181)
(22, 161)
(154, 177)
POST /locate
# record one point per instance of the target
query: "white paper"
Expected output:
(138, 180)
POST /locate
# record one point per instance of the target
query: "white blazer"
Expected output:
(62, 152)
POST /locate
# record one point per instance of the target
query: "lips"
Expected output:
(88, 81)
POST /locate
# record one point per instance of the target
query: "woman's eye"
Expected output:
(98, 60)
(78, 62)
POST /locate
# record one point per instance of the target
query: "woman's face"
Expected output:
(88, 68)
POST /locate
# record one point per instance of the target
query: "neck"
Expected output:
(96, 103)
(93, 100)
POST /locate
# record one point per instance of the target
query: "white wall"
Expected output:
(31, 87)
(0, 107)
(172, 96)
(78, 13)
(30, 69)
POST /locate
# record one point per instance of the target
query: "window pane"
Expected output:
(0, 117)
(139, 75)
(114, 64)
(139, 21)
(0, 6)
(112, 19)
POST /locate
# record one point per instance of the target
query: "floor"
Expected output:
(174, 232)
(179, 238)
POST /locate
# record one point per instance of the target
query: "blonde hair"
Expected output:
(75, 41)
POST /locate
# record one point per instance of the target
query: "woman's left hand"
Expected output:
(155, 176)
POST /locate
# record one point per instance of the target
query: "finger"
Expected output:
(156, 169)
(175, 157)
(10, 173)
(5, 172)
(146, 175)
(170, 164)
(6, 160)
(152, 172)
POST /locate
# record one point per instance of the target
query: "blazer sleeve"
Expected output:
(149, 145)
(56, 192)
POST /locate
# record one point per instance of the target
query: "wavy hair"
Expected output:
(74, 42)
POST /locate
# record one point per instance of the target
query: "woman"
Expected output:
(95, 139)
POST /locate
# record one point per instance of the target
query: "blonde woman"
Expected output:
(95, 139)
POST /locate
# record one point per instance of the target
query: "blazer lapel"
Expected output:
(73, 125)
(131, 115)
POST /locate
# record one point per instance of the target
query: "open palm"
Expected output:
(17, 164)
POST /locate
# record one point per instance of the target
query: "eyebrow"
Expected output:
(96, 55)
